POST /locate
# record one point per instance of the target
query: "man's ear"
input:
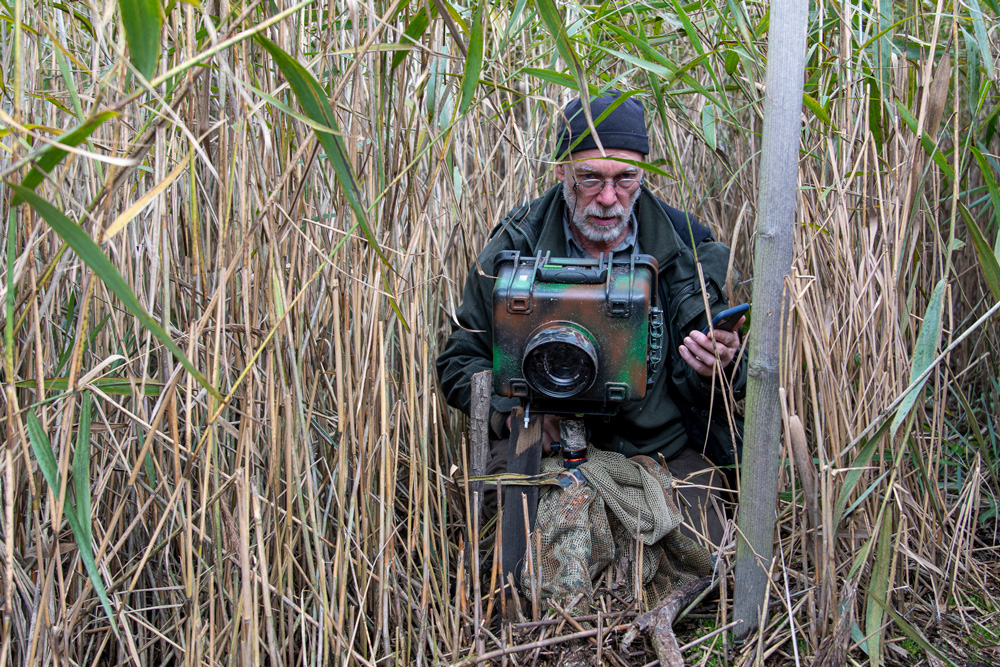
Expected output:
(559, 171)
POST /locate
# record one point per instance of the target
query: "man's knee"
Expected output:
(698, 484)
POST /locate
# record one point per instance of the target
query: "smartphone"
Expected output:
(727, 319)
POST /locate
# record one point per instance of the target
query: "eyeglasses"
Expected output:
(593, 186)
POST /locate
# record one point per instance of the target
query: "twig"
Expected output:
(475, 660)
(659, 621)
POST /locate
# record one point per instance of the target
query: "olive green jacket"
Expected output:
(653, 425)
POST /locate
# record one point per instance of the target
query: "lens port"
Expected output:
(560, 360)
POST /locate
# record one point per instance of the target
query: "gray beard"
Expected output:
(592, 232)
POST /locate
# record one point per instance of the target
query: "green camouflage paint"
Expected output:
(609, 301)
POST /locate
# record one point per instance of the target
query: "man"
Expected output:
(601, 206)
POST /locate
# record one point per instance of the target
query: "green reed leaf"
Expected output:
(81, 470)
(878, 588)
(987, 259)
(853, 475)
(42, 447)
(732, 61)
(973, 70)
(939, 158)
(813, 105)
(143, 22)
(474, 60)
(667, 71)
(456, 16)
(866, 493)
(552, 19)
(923, 353)
(51, 155)
(657, 64)
(91, 255)
(989, 178)
(80, 17)
(982, 39)
(70, 82)
(8, 326)
(875, 112)
(315, 104)
(513, 24)
(550, 76)
(882, 46)
(911, 631)
(313, 100)
(415, 29)
(709, 123)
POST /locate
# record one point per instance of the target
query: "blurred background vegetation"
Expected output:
(235, 233)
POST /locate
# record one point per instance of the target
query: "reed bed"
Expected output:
(298, 493)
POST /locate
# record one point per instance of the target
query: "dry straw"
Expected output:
(270, 475)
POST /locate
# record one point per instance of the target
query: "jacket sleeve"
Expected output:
(685, 312)
(469, 348)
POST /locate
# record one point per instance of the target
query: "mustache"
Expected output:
(598, 211)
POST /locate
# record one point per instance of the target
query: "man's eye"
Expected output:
(592, 186)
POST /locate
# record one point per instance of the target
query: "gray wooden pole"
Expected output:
(479, 431)
(786, 45)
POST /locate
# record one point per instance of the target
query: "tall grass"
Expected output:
(304, 500)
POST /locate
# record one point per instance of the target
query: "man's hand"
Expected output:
(699, 351)
(550, 432)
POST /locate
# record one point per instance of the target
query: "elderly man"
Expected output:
(602, 206)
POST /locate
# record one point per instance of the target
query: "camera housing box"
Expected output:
(575, 336)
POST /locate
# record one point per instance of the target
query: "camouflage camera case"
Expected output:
(575, 336)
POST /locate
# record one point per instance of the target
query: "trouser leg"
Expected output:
(696, 482)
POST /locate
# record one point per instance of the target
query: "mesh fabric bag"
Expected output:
(604, 514)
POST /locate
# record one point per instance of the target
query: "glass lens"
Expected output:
(559, 369)
(627, 185)
(560, 360)
(591, 186)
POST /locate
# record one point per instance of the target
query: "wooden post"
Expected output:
(479, 429)
(524, 457)
(773, 255)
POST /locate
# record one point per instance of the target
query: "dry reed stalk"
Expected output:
(311, 512)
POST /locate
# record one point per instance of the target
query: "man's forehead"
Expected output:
(612, 155)
(602, 166)
(612, 161)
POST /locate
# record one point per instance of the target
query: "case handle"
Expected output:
(573, 275)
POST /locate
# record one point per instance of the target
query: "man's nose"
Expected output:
(608, 196)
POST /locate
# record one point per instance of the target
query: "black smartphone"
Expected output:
(727, 319)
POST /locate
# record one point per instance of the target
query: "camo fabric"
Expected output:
(670, 563)
(575, 533)
(593, 519)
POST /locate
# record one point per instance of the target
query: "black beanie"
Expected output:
(623, 128)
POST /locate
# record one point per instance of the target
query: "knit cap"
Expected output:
(623, 128)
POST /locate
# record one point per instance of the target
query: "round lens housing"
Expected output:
(560, 361)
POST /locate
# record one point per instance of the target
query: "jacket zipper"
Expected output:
(675, 304)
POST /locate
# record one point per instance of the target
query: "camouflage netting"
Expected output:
(601, 517)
